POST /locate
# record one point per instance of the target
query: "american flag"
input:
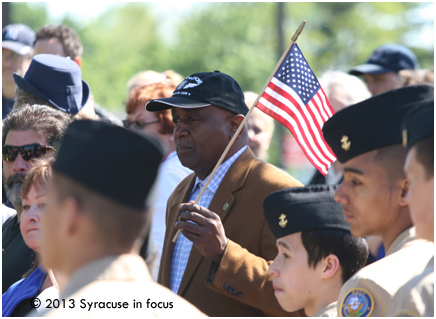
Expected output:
(295, 98)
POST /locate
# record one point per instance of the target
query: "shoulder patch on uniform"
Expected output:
(406, 313)
(358, 302)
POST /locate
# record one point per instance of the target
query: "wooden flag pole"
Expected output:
(241, 126)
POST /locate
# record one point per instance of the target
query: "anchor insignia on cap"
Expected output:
(345, 143)
(283, 221)
(404, 137)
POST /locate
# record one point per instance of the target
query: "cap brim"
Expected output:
(370, 69)
(86, 92)
(175, 101)
(16, 47)
(29, 88)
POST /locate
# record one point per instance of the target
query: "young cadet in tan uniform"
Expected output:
(316, 252)
(416, 297)
(365, 139)
(95, 222)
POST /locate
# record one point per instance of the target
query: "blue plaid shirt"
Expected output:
(183, 246)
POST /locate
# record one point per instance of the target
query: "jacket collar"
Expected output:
(115, 267)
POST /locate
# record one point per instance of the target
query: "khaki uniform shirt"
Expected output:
(328, 311)
(416, 298)
(370, 290)
(118, 287)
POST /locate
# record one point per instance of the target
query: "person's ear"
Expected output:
(71, 216)
(404, 187)
(78, 60)
(330, 266)
(235, 122)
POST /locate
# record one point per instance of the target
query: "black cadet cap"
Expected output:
(115, 162)
(373, 123)
(293, 210)
(418, 123)
(204, 89)
(388, 58)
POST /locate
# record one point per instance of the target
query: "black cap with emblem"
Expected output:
(293, 210)
(204, 89)
(373, 123)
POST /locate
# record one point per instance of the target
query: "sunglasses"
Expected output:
(27, 151)
(138, 124)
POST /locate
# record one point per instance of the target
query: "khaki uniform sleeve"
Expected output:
(415, 299)
(362, 297)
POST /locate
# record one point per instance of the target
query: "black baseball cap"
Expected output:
(297, 209)
(18, 38)
(388, 58)
(204, 89)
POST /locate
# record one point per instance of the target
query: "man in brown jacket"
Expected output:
(226, 272)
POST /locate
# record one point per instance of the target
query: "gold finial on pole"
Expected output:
(298, 32)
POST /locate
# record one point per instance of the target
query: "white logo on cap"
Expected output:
(192, 84)
(377, 55)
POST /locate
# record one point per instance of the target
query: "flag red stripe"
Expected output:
(326, 148)
(327, 104)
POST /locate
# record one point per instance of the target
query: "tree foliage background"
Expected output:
(236, 38)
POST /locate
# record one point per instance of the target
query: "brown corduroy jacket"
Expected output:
(240, 285)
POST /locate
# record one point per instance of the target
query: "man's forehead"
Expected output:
(24, 137)
(361, 164)
(49, 45)
(178, 110)
(290, 242)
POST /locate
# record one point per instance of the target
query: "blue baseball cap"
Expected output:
(388, 58)
(57, 80)
(18, 38)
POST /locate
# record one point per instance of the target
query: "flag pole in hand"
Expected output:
(241, 126)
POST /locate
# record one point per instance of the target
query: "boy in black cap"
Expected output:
(380, 72)
(95, 219)
(366, 139)
(416, 298)
(317, 253)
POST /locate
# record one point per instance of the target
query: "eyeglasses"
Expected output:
(138, 124)
(27, 152)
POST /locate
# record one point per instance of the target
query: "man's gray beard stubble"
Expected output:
(13, 187)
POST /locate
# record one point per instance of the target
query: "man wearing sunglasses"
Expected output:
(28, 133)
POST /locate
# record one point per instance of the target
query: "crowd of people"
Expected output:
(103, 217)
